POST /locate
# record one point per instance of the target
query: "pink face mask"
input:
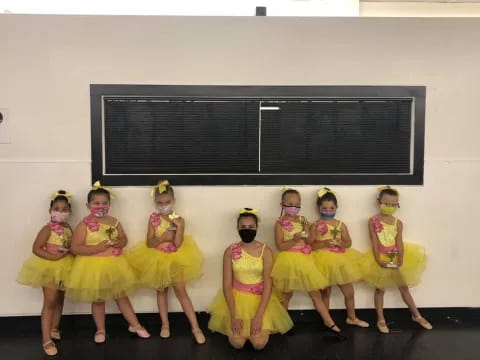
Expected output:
(291, 210)
(59, 217)
(99, 211)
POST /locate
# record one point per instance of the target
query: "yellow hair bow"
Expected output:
(249, 211)
(65, 194)
(286, 188)
(161, 186)
(324, 191)
(97, 186)
(386, 187)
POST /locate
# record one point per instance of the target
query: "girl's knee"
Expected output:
(259, 342)
(162, 292)
(326, 290)
(237, 342)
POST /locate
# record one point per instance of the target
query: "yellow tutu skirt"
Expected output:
(339, 268)
(296, 271)
(409, 274)
(40, 272)
(159, 270)
(100, 278)
(275, 318)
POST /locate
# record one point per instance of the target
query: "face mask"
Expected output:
(387, 210)
(291, 210)
(59, 217)
(99, 211)
(328, 214)
(247, 235)
(164, 210)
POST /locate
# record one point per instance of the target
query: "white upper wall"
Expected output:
(183, 7)
(420, 8)
(48, 62)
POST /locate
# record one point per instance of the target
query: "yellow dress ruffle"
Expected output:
(40, 272)
(100, 278)
(275, 318)
(159, 270)
(247, 271)
(296, 271)
(409, 274)
(339, 268)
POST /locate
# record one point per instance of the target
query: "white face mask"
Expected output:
(165, 210)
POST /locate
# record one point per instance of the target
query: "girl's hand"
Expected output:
(115, 243)
(256, 325)
(381, 263)
(179, 222)
(104, 245)
(237, 326)
(297, 237)
(340, 243)
(60, 255)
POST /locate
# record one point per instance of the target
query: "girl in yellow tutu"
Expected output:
(333, 255)
(391, 262)
(246, 309)
(168, 259)
(294, 267)
(100, 272)
(50, 266)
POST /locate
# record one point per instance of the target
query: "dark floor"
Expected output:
(456, 336)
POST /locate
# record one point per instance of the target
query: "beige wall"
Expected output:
(419, 9)
(48, 62)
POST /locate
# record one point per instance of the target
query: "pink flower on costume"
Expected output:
(336, 249)
(155, 220)
(91, 223)
(377, 225)
(307, 249)
(56, 228)
(116, 252)
(322, 228)
(170, 248)
(257, 289)
(285, 223)
(236, 251)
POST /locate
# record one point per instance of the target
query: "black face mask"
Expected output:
(247, 235)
